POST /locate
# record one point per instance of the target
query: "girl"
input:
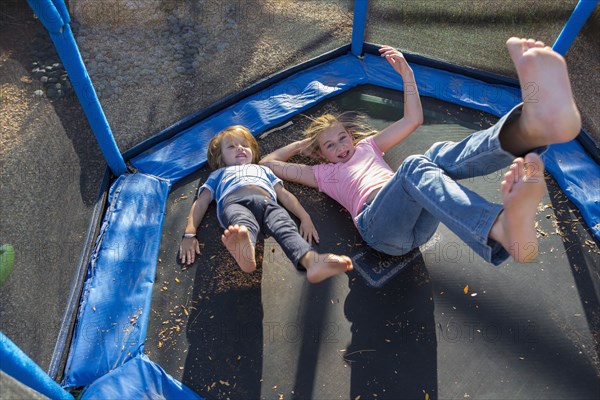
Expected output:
(246, 195)
(398, 211)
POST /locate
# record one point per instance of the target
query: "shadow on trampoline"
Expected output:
(225, 328)
(585, 267)
(272, 333)
(393, 352)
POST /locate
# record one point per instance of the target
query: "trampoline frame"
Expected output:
(144, 163)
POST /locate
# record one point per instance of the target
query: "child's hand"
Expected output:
(307, 149)
(308, 231)
(395, 58)
(188, 249)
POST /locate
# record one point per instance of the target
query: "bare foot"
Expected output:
(322, 266)
(522, 190)
(549, 111)
(237, 240)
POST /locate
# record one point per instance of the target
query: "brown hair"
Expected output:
(215, 158)
(351, 121)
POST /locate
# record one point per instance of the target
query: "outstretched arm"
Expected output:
(298, 173)
(413, 111)
(290, 202)
(189, 247)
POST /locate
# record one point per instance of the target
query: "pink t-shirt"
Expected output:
(351, 183)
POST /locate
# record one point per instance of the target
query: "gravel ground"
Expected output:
(186, 59)
(148, 76)
(195, 53)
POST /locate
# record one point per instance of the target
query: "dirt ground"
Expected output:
(50, 165)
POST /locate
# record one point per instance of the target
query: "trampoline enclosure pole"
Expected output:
(571, 29)
(54, 15)
(358, 26)
(18, 365)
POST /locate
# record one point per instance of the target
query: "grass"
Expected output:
(469, 33)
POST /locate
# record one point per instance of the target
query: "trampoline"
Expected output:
(436, 323)
(227, 334)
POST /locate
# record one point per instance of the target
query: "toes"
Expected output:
(516, 169)
(515, 47)
(349, 265)
(533, 158)
(520, 169)
(532, 43)
(513, 41)
(534, 167)
(509, 176)
(520, 45)
(512, 173)
(519, 161)
(505, 186)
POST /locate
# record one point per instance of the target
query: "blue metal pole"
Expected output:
(55, 18)
(571, 29)
(18, 365)
(358, 26)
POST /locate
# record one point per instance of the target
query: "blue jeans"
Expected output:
(423, 192)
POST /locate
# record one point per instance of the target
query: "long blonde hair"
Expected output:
(352, 122)
(214, 155)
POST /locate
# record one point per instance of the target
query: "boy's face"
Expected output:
(236, 151)
(335, 144)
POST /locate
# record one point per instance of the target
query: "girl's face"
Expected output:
(335, 144)
(236, 150)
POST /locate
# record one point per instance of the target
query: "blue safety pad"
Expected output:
(138, 378)
(444, 85)
(115, 304)
(186, 152)
(579, 178)
(113, 317)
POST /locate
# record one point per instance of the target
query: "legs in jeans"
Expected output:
(423, 192)
(425, 189)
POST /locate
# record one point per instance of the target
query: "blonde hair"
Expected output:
(352, 122)
(214, 155)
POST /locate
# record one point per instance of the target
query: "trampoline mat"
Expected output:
(439, 322)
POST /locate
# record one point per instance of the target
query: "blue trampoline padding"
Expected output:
(579, 178)
(186, 152)
(115, 305)
(138, 378)
(113, 316)
(14, 362)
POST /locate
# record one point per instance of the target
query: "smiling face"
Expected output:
(232, 146)
(335, 144)
(236, 150)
